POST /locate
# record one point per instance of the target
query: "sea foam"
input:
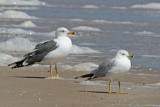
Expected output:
(145, 33)
(151, 56)
(12, 31)
(27, 24)
(76, 20)
(147, 6)
(111, 22)
(157, 84)
(119, 8)
(17, 44)
(15, 14)
(92, 83)
(21, 2)
(82, 50)
(90, 6)
(87, 66)
(86, 28)
(6, 59)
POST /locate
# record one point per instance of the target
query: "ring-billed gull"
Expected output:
(50, 52)
(119, 64)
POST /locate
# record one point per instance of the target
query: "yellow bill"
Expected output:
(71, 33)
(130, 56)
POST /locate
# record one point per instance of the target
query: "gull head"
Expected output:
(124, 53)
(62, 31)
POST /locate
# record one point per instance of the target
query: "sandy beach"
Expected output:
(27, 87)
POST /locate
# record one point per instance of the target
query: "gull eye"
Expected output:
(62, 30)
(123, 54)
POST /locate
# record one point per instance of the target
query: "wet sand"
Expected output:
(26, 87)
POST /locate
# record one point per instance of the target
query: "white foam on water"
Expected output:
(27, 24)
(151, 56)
(99, 21)
(21, 2)
(89, 44)
(6, 59)
(95, 83)
(146, 86)
(119, 8)
(87, 66)
(157, 84)
(76, 20)
(90, 6)
(86, 28)
(145, 33)
(17, 44)
(17, 8)
(146, 6)
(111, 22)
(38, 65)
(11, 31)
(143, 74)
(15, 14)
(82, 50)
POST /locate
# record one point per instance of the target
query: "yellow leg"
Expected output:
(120, 92)
(51, 74)
(110, 88)
(56, 71)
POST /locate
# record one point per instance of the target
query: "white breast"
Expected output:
(61, 52)
(122, 65)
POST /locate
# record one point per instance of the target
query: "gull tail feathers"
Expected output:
(17, 64)
(22, 63)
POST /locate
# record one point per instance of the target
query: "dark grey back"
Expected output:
(41, 50)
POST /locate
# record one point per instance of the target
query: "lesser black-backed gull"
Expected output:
(50, 52)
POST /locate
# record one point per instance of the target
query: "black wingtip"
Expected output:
(85, 76)
(88, 79)
(11, 64)
(76, 77)
(17, 66)
(14, 67)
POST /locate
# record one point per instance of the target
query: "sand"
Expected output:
(27, 87)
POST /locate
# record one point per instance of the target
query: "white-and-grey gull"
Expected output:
(50, 52)
(119, 64)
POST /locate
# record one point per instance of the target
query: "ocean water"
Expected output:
(102, 27)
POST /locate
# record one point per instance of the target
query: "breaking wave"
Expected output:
(146, 6)
(16, 14)
(86, 28)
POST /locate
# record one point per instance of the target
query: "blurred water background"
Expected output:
(102, 27)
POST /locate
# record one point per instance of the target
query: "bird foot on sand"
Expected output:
(122, 92)
(54, 78)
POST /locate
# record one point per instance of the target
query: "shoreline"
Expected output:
(26, 86)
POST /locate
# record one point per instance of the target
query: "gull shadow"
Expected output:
(29, 77)
(76, 82)
(103, 92)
